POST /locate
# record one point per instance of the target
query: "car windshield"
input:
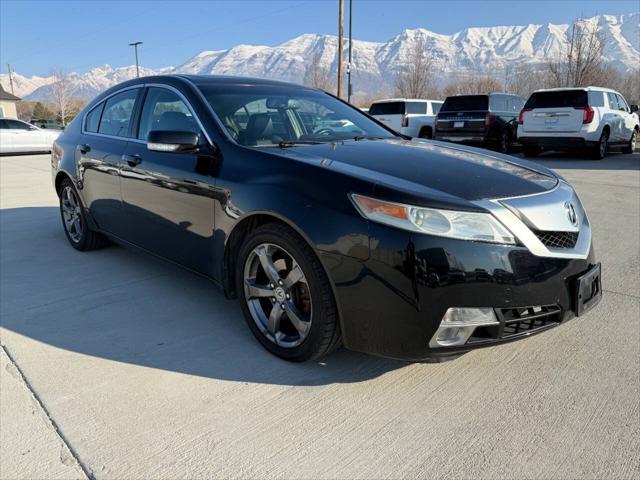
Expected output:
(265, 115)
(463, 103)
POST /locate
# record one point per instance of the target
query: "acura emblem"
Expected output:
(571, 213)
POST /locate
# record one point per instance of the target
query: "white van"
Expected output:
(412, 117)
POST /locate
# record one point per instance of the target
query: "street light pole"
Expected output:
(340, 36)
(135, 47)
(349, 66)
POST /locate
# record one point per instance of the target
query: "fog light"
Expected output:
(458, 324)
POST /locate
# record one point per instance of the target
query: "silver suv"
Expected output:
(565, 118)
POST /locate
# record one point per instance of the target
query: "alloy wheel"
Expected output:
(71, 214)
(634, 139)
(603, 145)
(277, 294)
(504, 143)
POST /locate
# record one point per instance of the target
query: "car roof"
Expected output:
(388, 100)
(585, 89)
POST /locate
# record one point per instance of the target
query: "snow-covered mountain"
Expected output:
(474, 50)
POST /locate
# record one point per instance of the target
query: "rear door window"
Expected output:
(596, 99)
(622, 104)
(92, 121)
(498, 103)
(417, 107)
(118, 110)
(559, 99)
(466, 103)
(387, 108)
(613, 101)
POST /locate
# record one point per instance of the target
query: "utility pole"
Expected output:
(10, 78)
(135, 47)
(340, 36)
(349, 66)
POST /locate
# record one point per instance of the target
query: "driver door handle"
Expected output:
(132, 160)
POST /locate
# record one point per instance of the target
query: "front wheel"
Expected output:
(285, 295)
(631, 146)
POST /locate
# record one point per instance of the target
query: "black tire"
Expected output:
(504, 144)
(530, 151)
(86, 239)
(324, 332)
(631, 146)
(600, 150)
(426, 132)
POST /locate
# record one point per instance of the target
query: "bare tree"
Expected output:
(316, 75)
(472, 85)
(62, 94)
(580, 61)
(415, 77)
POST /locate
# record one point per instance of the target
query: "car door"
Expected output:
(616, 119)
(105, 133)
(169, 197)
(628, 121)
(22, 136)
(6, 137)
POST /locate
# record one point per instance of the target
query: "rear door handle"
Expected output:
(132, 160)
(86, 148)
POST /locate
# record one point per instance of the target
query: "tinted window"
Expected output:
(435, 106)
(417, 107)
(18, 125)
(596, 99)
(515, 104)
(613, 101)
(561, 98)
(164, 110)
(93, 119)
(265, 115)
(116, 117)
(463, 103)
(387, 108)
(3, 124)
(622, 104)
(498, 103)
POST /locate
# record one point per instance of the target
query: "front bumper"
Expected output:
(392, 304)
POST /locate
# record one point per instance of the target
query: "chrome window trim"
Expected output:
(144, 85)
(506, 215)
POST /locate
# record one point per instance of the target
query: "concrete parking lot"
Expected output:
(118, 365)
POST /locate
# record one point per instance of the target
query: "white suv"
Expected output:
(412, 117)
(566, 118)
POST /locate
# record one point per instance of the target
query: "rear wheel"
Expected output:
(600, 150)
(285, 295)
(631, 146)
(504, 145)
(426, 132)
(74, 220)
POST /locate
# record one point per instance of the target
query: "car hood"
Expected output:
(427, 168)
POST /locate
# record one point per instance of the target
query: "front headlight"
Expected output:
(481, 227)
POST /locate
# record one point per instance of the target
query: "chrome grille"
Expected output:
(558, 239)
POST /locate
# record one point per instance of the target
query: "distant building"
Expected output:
(8, 104)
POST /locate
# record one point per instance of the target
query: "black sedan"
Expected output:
(330, 228)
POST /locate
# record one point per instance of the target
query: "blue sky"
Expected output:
(77, 35)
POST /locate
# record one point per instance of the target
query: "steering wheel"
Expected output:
(324, 132)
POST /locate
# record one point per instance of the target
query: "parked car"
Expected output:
(395, 247)
(487, 120)
(591, 118)
(52, 124)
(411, 117)
(17, 136)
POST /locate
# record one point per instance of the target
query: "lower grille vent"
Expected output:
(558, 239)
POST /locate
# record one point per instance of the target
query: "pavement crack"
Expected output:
(620, 293)
(68, 455)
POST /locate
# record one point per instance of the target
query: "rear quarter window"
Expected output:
(559, 99)
(596, 99)
(387, 108)
(417, 107)
(466, 103)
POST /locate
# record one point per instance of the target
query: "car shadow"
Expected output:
(578, 161)
(133, 308)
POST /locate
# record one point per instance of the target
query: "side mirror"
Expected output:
(172, 141)
(634, 108)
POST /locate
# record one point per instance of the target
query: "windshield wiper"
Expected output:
(293, 143)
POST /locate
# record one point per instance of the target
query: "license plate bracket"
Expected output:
(458, 124)
(588, 290)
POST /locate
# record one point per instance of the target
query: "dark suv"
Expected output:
(488, 120)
